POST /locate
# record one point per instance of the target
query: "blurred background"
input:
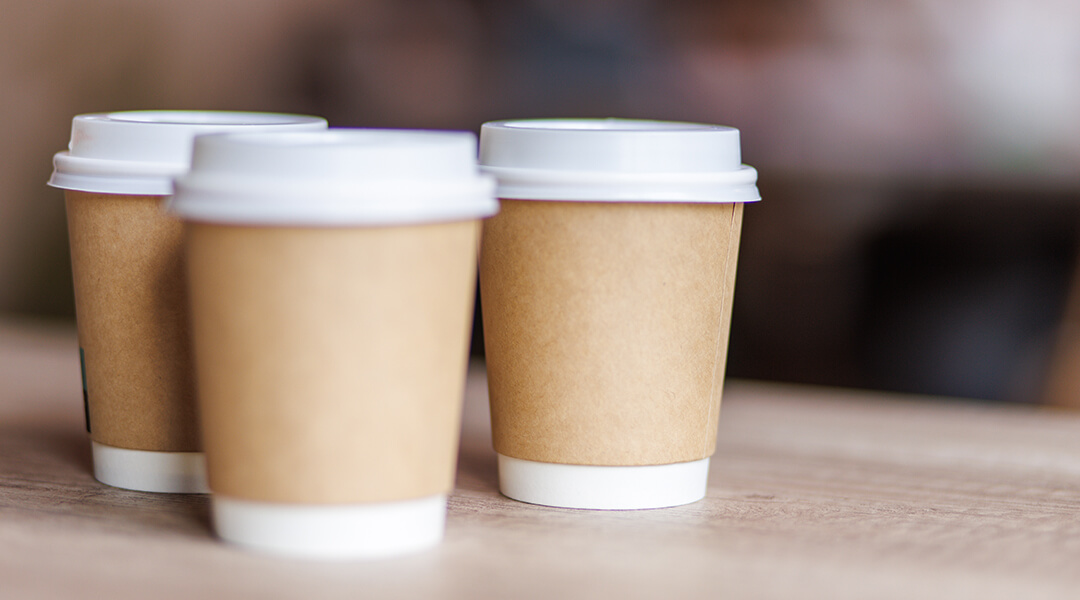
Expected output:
(918, 159)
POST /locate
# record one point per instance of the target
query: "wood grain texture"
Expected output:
(814, 493)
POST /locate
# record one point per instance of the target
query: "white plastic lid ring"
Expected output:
(619, 160)
(338, 177)
(140, 152)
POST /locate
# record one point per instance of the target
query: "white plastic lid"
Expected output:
(140, 152)
(339, 177)
(620, 160)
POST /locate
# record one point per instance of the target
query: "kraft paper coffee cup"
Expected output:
(130, 295)
(332, 279)
(606, 283)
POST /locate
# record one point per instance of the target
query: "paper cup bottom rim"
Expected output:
(150, 471)
(331, 531)
(603, 487)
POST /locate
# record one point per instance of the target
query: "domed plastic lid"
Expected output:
(140, 152)
(335, 177)
(620, 160)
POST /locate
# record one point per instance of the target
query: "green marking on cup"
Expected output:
(85, 394)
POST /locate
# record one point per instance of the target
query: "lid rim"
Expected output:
(120, 186)
(596, 186)
(734, 196)
(742, 173)
(620, 125)
(284, 211)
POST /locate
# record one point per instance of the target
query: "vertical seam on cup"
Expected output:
(719, 334)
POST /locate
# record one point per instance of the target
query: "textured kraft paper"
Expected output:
(131, 309)
(331, 361)
(606, 328)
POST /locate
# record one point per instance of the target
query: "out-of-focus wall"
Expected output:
(59, 58)
(918, 158)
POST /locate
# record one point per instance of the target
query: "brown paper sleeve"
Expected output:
(131, 308)
(606, 328)
(331, 362)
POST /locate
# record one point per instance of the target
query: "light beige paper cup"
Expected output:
(332, 281)
(130, 293)
(127, 266)
(606, 284)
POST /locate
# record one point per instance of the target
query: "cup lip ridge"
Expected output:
(613, 124)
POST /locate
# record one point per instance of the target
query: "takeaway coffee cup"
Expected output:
(606, 283)
(130, 299)
(331, 280)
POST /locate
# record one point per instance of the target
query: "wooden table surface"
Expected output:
(814, 493)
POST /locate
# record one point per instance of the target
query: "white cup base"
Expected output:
(147, 471)
(331, 531)
(603, 487)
